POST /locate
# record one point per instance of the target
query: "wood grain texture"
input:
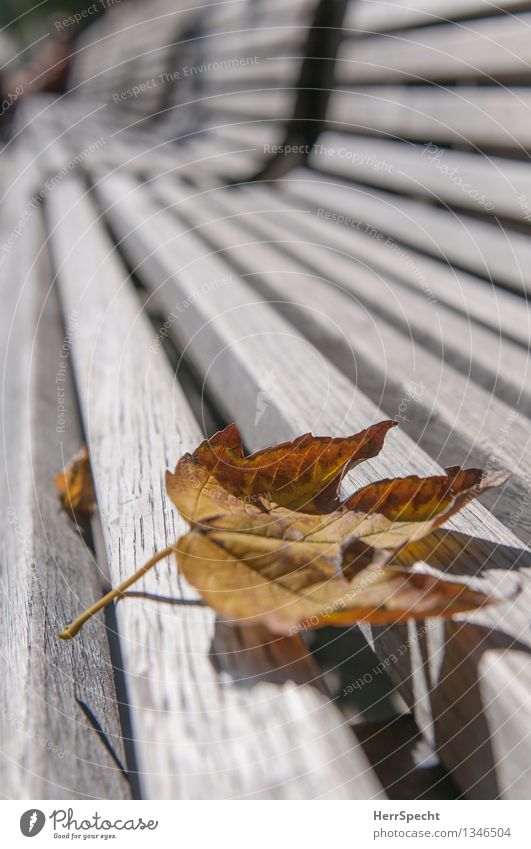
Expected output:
(446, 411)
(245, 339)
(461, 295)
(250, 354)
(480, 247)
(50, 749)
(201, 728)
(486, 356)
(270, 39)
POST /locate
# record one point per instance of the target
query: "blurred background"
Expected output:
(23, 22)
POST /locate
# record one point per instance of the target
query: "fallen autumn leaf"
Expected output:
(270, 541)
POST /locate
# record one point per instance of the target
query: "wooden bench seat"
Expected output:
(475, 246)
(343, 293)
(182, 258)
(50, 697)
(210, 739)
(479, 184)
(207, 85)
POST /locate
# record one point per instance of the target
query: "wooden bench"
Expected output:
(367, 284)
(226, 81)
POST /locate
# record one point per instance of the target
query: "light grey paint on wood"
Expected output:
(483, 303)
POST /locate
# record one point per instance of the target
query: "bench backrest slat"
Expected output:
(388, 15)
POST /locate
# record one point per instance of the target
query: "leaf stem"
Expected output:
(75, 626)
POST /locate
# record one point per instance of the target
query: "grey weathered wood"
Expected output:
(468, 297)
(489, 49)
(233, 338)
(199, 732)
(130, 138)
(486, 185)
(50, 750)
(483, 248)
(504, 689)
(452, 417)
(488, 358)
(260, 104)
(385, 15)
(253, 135)
(318, 397)
(60, 138)
(270, 39)
(468, 115)
(269, 70)
(228, 14)
(129, 43)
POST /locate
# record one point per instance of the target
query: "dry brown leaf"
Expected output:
(270, 542)
(287, 569)
(411, 497)
(76, 487)
(301, 475)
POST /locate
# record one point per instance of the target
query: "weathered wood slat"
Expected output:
(50, 749)
(127, 43)
(488, 358)
(476, 246)
(188, 744)
(225, 15)
(385, 15)
(227, 74)
(199, 732)
(207, 153)
(471, 116)
(467, 296)
(486, 185)
(489, 49)
(320, 398)
(272, 38)
(267, 104)
(251, 135)
(471, 298)
(446, 412)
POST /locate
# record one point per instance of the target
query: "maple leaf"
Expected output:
(439, 495)
(76, 487)
(287, 569)
(301, 475)
(271, 543)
